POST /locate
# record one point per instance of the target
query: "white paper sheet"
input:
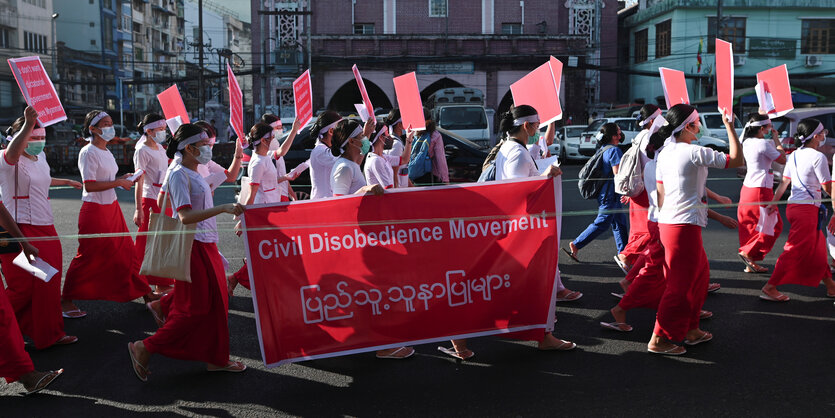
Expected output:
(38, 268)
(361, 111)
(299, 169)
(174, 123)
(133, 177)
(543, 164)
(767, 222)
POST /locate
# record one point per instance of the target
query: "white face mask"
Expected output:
(159, 137)
(274, 145)
(205, 154)
(108, 133)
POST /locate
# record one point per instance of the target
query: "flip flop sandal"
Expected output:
(703, 339)
(66, 339)
(74, 314)
(623, 266)
(781, 298)
(463, 355)
(159, 319)
(617, 326)
(564, 346)
(393, 355)
(703, 314)
(570, 296)
(44, 381)
(617, 295)
(231, 367)
(570, 254)
(712, 287)
(751, 265)
(675, 350)
(140, 370)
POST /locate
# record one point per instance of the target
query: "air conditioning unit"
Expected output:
(739, 60)
(813, 61)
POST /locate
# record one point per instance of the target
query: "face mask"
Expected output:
(699, 134)
(35, 147)
(108, 133)
(533, 138)
(205, 154)
(388, 142)
(366, 146)
(274, 145)
(159, 137)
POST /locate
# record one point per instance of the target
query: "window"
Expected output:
(6, 93)
(662, 39)
(733, 31)
(92, 24)
(511, 28)
(437, 8)
(39, 3)
(361, 29)
(92, 41)
(4, 38)
(107, 32)
(34, 42)
(641, 45)
(139, 53)
(817, 36)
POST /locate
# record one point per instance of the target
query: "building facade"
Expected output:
(668, 33)
(487, 44)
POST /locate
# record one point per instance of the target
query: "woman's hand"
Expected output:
(137, 217)
(771, 208)
(297, 124)
(368, 129)
(552, 171)
(238, 230)
(728, 114)
(624, 199)
(723, 200)
(31, 116)
(75, 184)
(29, 250)
(233, 208)
(831, 226)
(123, 182)
(374, 189)
(729, 222)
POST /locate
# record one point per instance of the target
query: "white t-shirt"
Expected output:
(33, 180)
(808, 166)
(682, 168)
(535, 151)
(187, 188)
(346, 177)
(759, 154)
(651, 188)
(262, 172)
(321, 166)
(378, 169)
(96, 164)
(641, 141)
(155, 163)
(281, 169)
(212, 172)
(514, 161)
(402, 176)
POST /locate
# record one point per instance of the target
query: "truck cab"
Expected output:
(461, 110)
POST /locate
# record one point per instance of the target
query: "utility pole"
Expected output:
(719, 18)
(200, 58)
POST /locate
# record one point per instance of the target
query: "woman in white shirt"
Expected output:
(803, 260)
(105, 268)
(196, 328)
(24, 186)
(759, 153)
(212, 172)
(395, 146)
(681, 174)
(278, 151)
(321, 158)
(149, 156)
(378, 165)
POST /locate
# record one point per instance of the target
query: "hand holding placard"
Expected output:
(774, 91)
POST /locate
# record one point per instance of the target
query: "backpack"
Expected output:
(488, 169)
(590, 181)
(629, 180)
(420, 163)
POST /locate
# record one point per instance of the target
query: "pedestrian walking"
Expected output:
(321, 158)
(378, 165)
(395, 146)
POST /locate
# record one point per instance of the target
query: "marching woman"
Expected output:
(15, 363)
(105, 268)
(196, 328)
(803, 260)
(350, 144)
(759, 153)
(378, 166)
(608, 212)
(264, 182)
(440, 171)
(149, 156)
(514, 161)
(321, 158)
(681, 174)
(395, 147)
(279, 151)
(212, 172)
(24, 185)
(639, 234)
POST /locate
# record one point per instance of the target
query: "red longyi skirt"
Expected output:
(803, 260)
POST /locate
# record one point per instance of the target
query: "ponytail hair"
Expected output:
(185, 131)
(326, 118)
(430, 124)
(676, 116)
(257, 132)
(751, 130)
(506, 125)
(647, 111)
(606, 133)
(805, 129)
(88, 120)
(16, 126)
(342, 134)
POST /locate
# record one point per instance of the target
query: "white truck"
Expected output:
(461, 110)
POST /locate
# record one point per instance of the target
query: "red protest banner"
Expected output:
(386, 271)
(303, 98)
(37, 89)
(675, 87)
(725, 75)
(236, 105)
(364, 93)
(409, 102)
(172, 104)
(775, 92)
(541, 89)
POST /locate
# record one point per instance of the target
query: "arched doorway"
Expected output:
(345, 97)
(443, 83)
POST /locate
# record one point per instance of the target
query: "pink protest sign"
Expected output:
(774, 91)
(541, 89)
(38, 89)
(675, 87)
(303, 98)
(236, 104)
(172, 104)
(725, 75)
(365, 100)
(408, 100)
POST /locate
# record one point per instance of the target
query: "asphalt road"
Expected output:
(766, 359)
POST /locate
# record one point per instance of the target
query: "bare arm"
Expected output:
(717, 197)
(285, 147)
(191, 216)
(779, 193)
(235, 167)
(660, 192)
(18, 144)
(727, 221)
(137, 197)
(775, 136)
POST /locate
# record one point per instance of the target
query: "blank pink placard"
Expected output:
(776, 82)
(675, 87)
(408, 100)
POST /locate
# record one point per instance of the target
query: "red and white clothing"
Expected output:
(346, 177)
(321, 166)
(105, 268)
(639, 235)
(401, 172)
(378, 169)
(154, 163)
(196, 326)
(803, 260)
(514, 161)
(264, 174)
(36, 304)
(212, 172)
(759, 154)
(14, 360)
(535, 150)
(284, 186)
(682, 169)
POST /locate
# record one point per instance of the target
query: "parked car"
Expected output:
(628, 126)
(712, 125)
(569, 137)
